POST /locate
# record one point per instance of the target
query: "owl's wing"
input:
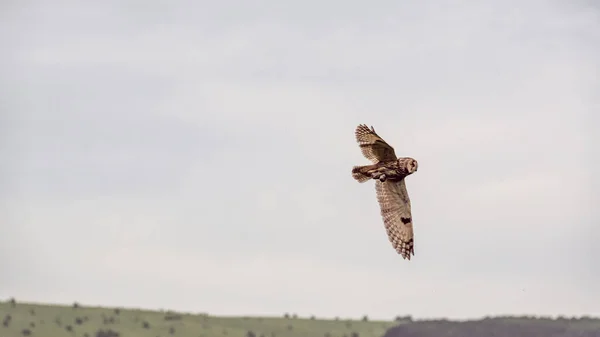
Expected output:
(395, 210)
(372, 146)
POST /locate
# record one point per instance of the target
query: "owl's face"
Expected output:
(409, 164)
(412, 166)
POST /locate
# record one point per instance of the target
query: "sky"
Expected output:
(196, 155)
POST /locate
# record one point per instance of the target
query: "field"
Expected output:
(76, 320)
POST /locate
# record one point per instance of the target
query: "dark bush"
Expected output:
(172, 330)
(32, 324)
(354, 334)
(107, 333)
(69, 328)
(117, 311)
(365, 318)
(75, 305)
(250, 334)
(78, 320)
(26, 332)
(172, 316)
(6, 320)
(146, 325)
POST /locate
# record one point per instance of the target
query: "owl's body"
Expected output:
(389, 173)
(384, 170)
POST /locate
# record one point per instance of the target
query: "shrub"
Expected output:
(107, 333)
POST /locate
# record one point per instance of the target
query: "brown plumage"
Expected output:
(389, 173)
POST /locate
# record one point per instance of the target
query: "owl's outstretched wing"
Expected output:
(395, 210)
(372, 146)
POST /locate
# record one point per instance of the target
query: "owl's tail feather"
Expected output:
(360, 173)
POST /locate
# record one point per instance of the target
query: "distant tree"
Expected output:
(286, 315)
(365, 318)
(406, 318)
(294, 316)
(312, 317)
(75, 305)
(13, 302)
(117, 311)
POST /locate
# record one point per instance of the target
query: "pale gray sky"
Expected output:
(192, 155)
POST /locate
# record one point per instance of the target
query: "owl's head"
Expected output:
(409, 164)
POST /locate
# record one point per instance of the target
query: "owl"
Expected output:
(389, 173)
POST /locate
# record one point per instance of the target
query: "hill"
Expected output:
(41, 320)
(500, 327)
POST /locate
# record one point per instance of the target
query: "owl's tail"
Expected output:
(360, 173)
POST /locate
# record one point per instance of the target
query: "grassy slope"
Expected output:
(52, 321)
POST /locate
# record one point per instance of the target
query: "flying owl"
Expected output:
(389, 173)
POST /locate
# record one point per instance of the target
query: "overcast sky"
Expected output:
(196, 156)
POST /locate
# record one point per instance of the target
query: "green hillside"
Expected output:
(22, 319)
